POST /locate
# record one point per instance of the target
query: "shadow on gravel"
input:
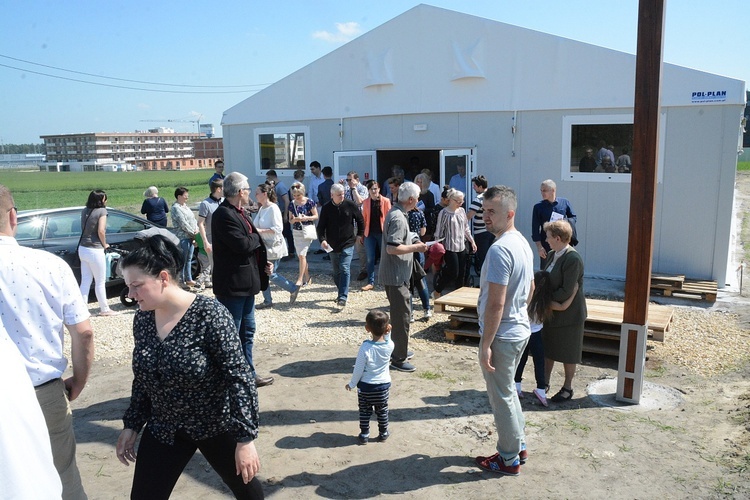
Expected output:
(317, 440)
(302, 369)
(387, 477)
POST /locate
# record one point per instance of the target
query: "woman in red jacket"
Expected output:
(374, 209)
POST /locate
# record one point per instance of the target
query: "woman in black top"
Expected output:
(155, 207)
(192, 386)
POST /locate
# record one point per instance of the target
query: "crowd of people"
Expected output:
(196, 383)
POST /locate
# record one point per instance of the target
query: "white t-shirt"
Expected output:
(509, 262)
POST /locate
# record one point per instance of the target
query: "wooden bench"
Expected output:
(601, 330)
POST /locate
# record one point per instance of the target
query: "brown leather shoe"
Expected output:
(262, 381)
(368, 287)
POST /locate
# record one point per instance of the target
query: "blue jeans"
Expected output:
(187, 248)
(280, 281)
(424, 293)
(342, 263)
(372, 243)
(242, 310)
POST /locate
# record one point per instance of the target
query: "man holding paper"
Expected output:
(339, 218)
(551, 208)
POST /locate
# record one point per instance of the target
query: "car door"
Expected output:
(61, 235)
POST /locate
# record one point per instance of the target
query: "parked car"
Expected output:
(58, 231)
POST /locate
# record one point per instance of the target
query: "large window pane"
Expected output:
(601, 148)
(281, 151)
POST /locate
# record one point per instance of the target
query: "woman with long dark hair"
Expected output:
(91, 250)
(192, 386)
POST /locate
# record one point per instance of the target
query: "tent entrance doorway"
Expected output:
(378, 164)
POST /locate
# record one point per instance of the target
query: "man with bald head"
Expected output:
(34, 317)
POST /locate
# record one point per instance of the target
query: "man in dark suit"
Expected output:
(241, 269)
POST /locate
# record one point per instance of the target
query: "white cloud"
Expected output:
(143, 105)
(344, 33)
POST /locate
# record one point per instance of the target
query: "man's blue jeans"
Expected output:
(342, 263)
(242, 310)
(372, 243)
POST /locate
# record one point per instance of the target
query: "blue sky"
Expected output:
(252, 44)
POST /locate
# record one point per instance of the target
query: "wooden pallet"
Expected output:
(601, 330)
(673, 281)
(691, 289)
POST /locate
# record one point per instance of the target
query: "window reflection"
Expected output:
(601, 148)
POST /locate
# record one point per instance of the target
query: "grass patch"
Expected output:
(428, 375)
(743, 166)
(578, 426)
(657, 371)
(33, 190)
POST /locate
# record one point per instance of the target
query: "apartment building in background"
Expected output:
(153, 149)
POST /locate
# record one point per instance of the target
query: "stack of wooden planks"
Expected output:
(601, 330)
(677, 285)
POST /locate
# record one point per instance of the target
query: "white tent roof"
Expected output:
(430, 60)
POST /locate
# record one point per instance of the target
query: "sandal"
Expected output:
(562, 395)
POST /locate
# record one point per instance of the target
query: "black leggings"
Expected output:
(453, 271)
(159, 466)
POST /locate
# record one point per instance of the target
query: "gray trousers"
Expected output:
(400, 310)
(506, 407)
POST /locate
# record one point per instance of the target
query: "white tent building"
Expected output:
(433, 88)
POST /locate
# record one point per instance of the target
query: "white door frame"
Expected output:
(364, 176)
(469, 154)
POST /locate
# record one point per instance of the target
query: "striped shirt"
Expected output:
(477, 221)
(453, 227)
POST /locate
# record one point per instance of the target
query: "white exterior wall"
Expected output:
(694, 200)
(465, 77)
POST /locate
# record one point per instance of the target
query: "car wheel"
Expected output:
(127, 301)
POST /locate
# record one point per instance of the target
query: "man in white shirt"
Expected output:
(34, 316)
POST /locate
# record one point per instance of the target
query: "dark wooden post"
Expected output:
(634, 328)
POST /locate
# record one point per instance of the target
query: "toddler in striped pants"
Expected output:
(372, 377)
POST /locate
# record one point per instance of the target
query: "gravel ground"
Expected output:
(705, 342)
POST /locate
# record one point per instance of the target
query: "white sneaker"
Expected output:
(411, 318)
(428, 314)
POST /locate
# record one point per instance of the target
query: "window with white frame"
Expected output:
(599, 147)
(281, 148)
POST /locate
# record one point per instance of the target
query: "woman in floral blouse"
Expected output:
(192, 386)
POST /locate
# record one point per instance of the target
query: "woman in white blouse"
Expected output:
(270, 225)
(453, 229)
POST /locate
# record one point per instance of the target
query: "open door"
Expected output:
(457, 169)
(362, 162)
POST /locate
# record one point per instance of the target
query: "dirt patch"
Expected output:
(441, 418)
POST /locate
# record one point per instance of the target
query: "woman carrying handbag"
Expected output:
(269, 223)
(302, 215)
